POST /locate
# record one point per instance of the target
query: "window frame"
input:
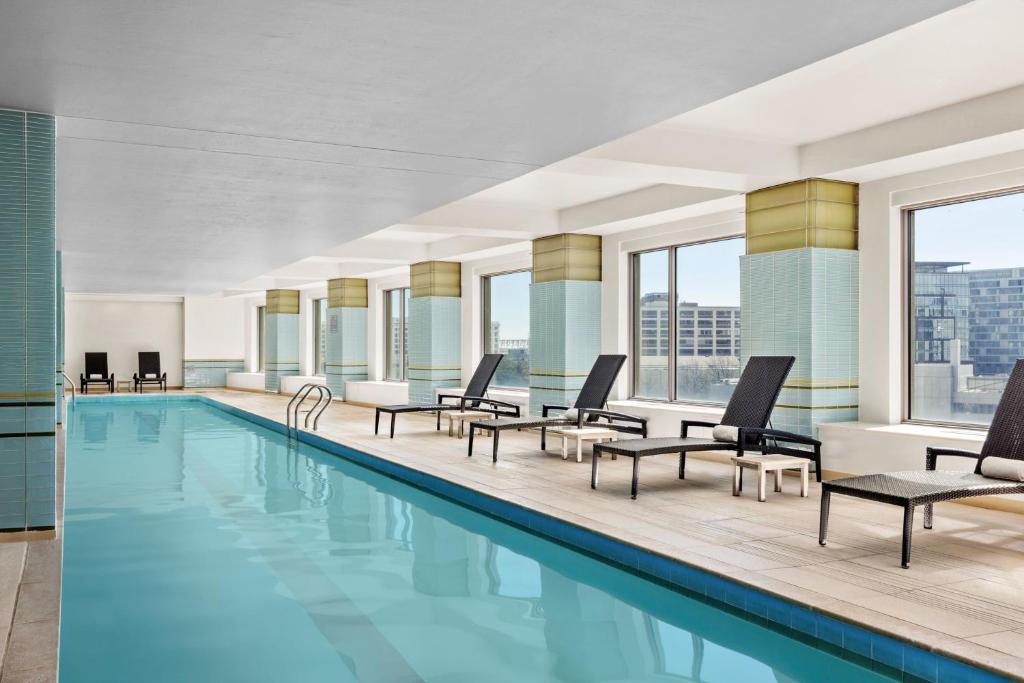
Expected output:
(319, 337)
(673, 322)
(485, 316)
(403, 325)
(907, 313)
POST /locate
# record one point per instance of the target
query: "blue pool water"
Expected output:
(201, 547)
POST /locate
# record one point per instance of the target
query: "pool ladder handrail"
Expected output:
(68, 382)
(324, 398)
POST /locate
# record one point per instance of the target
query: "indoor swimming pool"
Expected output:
(203, 547)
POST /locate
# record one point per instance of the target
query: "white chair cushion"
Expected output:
(725, 434)
(1002, 468)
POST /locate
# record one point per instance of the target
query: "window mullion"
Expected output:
(673, 325)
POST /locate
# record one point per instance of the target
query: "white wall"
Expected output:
(122, 326)
(214, 328)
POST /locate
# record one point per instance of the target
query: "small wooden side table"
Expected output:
(581, 434)
(765, 464)
(463, 417)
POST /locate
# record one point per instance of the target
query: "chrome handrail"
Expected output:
(324, 398)
(69, 381)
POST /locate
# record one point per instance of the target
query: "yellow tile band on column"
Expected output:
(435, 278)
(567, 256)
(282, 301)
(814, 212)
(348, 292)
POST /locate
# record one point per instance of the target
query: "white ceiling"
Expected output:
(204, 143)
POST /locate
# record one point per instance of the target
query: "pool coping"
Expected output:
(886, 653)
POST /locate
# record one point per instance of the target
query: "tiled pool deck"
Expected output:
(963, 595)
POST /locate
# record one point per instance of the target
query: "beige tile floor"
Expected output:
(963, 594)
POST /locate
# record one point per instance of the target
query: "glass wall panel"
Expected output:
(396, 334)
(966, 307)
(261, 326)
(708, 327)
(506, 321)
(651, 334)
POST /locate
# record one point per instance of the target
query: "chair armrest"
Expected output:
(135, 376)
(442, 397)
(780, 435)
(611, 416)
(490, 401)
(546, 408)
(932, 455)
(684, 426)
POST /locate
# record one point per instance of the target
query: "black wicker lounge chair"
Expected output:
(95, 372)
(591, 399)
(910, 489)
(149, 371)
(474, 397)
(748, 412)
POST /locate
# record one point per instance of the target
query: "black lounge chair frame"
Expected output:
(590, 402)
(149, 364)
(910, 489)
(748, 410)
(474, 398)
(95, 364)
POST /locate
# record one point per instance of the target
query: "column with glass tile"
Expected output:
(346, 358)
(28, 313)
(435, 329)
(799, 290)
(565, 316)
(281, 337)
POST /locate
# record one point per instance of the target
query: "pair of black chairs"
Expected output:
(97, 372)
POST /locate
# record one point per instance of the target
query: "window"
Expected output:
(396, 334)
(261, 337)
(966, 306)
(320, 337)
(700, 283)
(506, 319)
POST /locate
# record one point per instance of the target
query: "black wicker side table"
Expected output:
(910, 489)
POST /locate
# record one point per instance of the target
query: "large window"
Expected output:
(320, 337)
(261, 337)
(396, 334)
(506, 319)
(687, 299)
(966, 306)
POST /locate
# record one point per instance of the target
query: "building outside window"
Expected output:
(966, 306)
(396, 334)
(320, 337)
(261, 327)
(687, 298)
(506, 322)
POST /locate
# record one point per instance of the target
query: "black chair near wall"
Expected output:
(95, 372)
(149, 371)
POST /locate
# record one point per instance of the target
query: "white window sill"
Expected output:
(907, 430)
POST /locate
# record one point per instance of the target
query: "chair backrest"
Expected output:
(1006, 433)
(481, 378)
(95, 364)
(149, 363)
(599, 382)
(757, 391)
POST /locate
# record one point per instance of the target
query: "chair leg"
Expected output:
(472, 431)
(636, 477)
(682, 464)
(593, 468)
(393, 416)
(376, 421)
(928, 516)
(494, 454)
(817, 464)
(544, 439)
(908, 530)
(439, 420)
(823, 524)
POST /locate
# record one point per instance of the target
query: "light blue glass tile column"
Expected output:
(28, 336)
(346, 354)
(435, 329)
(281, 337)
(565, 317)
(59, 345)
